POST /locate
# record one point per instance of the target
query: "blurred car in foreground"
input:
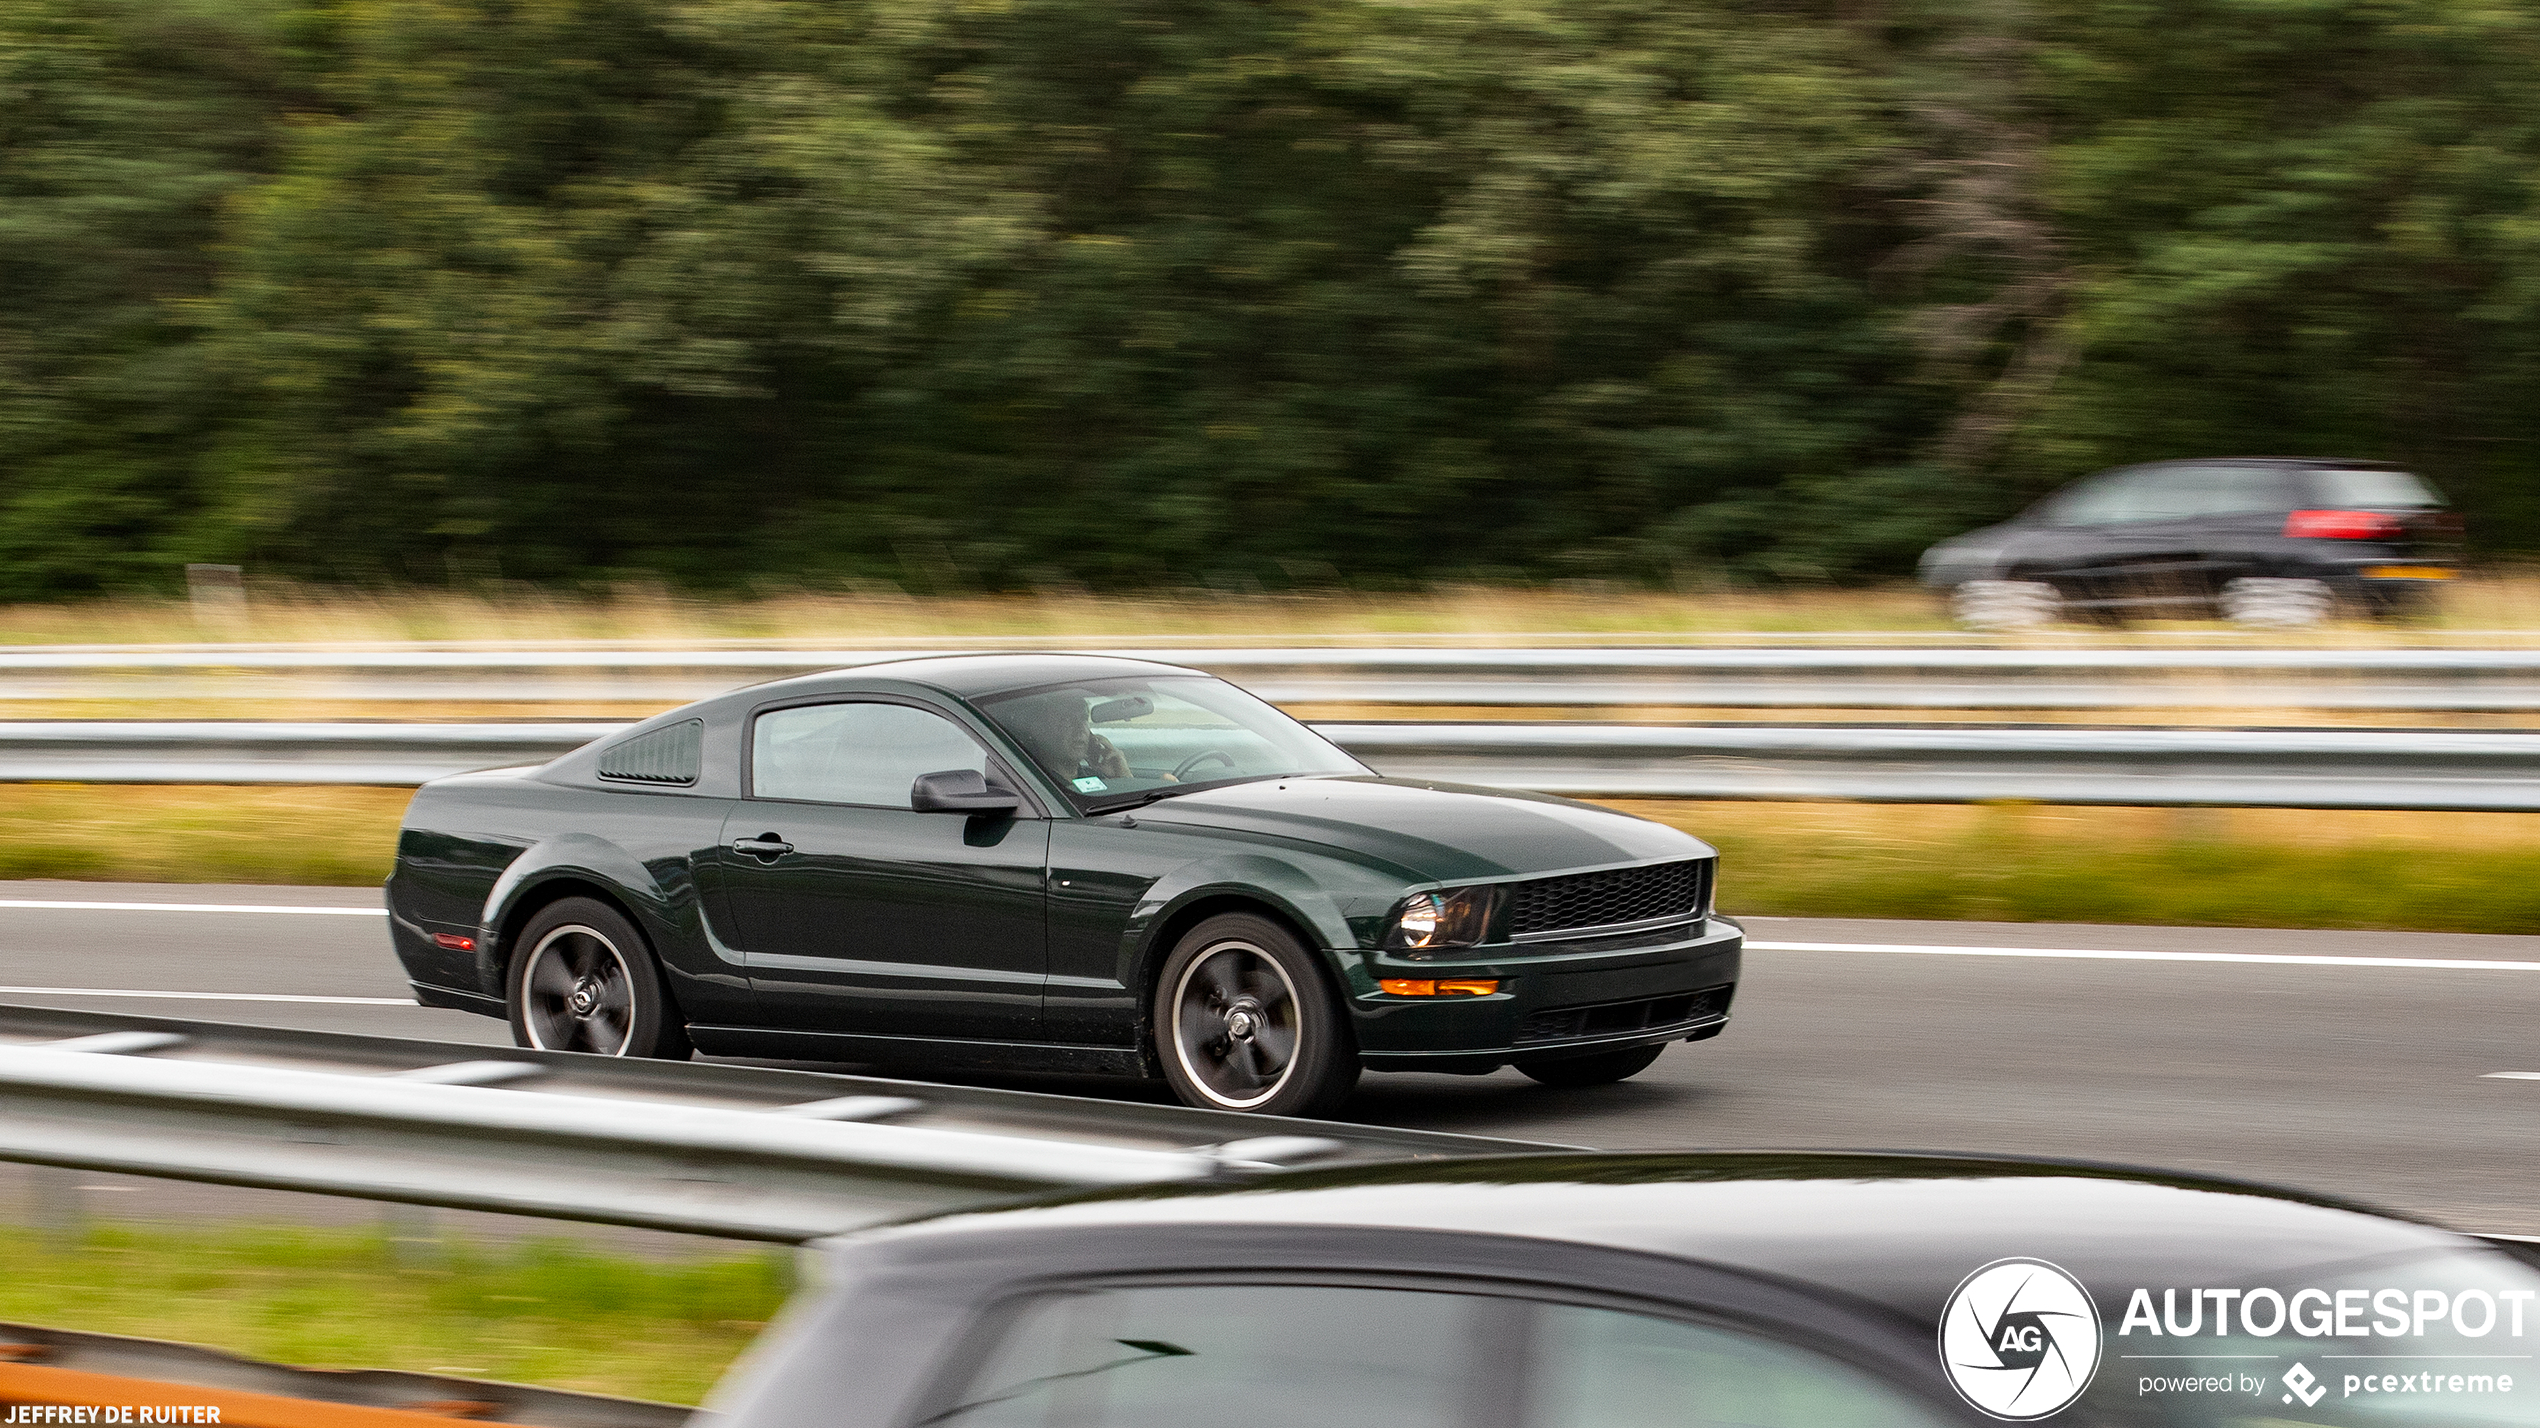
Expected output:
(1766, 1290)
(2267, 541)
(1056, 863)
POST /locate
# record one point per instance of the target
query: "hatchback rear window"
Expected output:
(2370, 490)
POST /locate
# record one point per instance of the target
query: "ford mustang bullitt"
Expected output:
(1052, 862)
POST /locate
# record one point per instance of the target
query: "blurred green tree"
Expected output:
(1176, 291)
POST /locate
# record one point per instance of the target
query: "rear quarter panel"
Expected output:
(480, 851)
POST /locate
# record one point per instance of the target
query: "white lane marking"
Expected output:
(194, 907)
(203, 996)
(2512, 1076)
(2101, 954)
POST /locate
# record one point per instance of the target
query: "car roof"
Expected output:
(1898, 1228)
(975, 676)
(2340, 462)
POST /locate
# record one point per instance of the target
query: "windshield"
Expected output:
(2441, 1340)
(1114, 741)
(2371, 490)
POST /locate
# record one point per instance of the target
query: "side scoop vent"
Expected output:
(669, 755)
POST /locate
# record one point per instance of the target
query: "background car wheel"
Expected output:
(2005, 604)
(1245, 1022)
(585, 981)
(1597, 1070)
(2277, 604)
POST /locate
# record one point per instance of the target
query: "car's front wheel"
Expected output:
(1600, 1069)
(1244, 1021)
(585, 981)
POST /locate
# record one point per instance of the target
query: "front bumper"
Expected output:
(1550, 1003)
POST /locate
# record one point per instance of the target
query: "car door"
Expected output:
(2240, 525)
(2127, 539)
(858, 915)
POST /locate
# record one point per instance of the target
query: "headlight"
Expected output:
(1429, 920)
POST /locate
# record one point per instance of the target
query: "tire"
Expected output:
(1245, 1021)
(2270, 603)
(1603, 1068)
(2005, 604)
(584, 980)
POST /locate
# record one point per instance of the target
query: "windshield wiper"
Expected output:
(1170, 790)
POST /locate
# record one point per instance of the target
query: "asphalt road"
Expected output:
(2352, 1062)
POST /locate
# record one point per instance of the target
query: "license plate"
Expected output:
(2409, 572)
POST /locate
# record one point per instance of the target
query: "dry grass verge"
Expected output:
(277, 613)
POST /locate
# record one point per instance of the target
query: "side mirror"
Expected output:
(961, 791)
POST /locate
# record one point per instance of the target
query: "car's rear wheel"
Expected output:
(1602, 1068)
(585, 981)
(2005, 604)
(1244, 1021)
(2276, 603)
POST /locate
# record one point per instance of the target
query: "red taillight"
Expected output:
(2343, 525)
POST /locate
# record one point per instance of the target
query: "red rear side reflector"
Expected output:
(453, 942)
(2343, 525)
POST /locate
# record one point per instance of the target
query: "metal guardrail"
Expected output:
(1927, 677)
(1914, 763)
(739, 1151)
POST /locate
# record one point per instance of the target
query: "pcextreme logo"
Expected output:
(2019, 1339)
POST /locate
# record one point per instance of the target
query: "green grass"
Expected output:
(2006, 862)
(2427, 872)
(541, 1312)
(323, 837)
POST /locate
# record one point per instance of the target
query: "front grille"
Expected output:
(1621, 1018)
(1603, 899)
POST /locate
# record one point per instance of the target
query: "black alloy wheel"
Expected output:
(1600, 1069)
(585, 981)
(1244, 1021)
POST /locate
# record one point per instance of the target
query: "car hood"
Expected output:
(1432, 832)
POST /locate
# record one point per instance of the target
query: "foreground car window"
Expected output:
(1112, 740)
(854, 753)
(1310, 1356)
(1596, 1368)
(1233, 1356)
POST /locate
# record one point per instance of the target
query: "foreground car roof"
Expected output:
(1898, 1229)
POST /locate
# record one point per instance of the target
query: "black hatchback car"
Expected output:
(1761, 1290)
(2260, 540)
(1058, 863)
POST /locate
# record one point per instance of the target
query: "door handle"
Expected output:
(768, 846)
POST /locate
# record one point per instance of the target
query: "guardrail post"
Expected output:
(413, 1232)
(53, 1205)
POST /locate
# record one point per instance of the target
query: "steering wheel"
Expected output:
(1183, 769)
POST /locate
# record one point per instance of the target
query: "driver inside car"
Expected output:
(1058, 730)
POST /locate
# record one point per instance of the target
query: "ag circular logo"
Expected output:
(2020, 1339)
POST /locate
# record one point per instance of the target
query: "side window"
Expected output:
(1248, 1356)
(854, 753)
(2108, 501)
(2225, 490)
(1315, 1356)
(1597, 1368)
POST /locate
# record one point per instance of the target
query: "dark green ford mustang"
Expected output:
(1052, 862)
